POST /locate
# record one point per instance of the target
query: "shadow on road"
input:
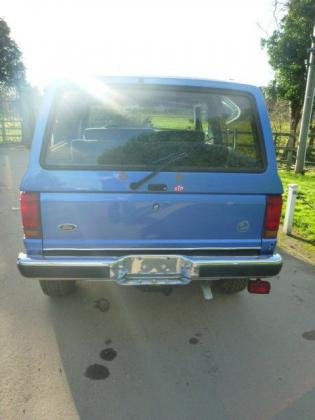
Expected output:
(164, 351)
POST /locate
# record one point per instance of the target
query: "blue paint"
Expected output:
(33, 246)
(115, 220)
(108, 214)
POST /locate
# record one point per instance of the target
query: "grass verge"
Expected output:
(304, 215)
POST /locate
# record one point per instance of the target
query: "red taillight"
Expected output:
(259, 287)
(30, 215)
(272, 216)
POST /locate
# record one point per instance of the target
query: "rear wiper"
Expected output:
(162, 164)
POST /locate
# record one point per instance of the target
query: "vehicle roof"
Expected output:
(166, 81)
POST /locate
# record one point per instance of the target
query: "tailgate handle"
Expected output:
(157, 187)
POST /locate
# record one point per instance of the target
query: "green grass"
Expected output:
(171, 122)
(282, 126)
(304, 215)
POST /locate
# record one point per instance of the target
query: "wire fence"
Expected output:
(10, 121)
(286, 149)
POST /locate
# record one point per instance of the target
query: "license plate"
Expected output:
(151, 269)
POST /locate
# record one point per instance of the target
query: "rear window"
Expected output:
(144, 128)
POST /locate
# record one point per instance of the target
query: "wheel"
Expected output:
(56, 288)
(230, 286)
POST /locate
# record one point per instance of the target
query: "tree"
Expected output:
(12, 70)
(287, 48)
(13, 82)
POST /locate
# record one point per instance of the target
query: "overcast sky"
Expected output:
(207, 39)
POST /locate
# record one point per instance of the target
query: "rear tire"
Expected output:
(57, 288)
(230, 286)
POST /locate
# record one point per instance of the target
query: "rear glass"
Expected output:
(144, 128)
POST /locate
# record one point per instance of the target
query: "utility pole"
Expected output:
(307, 110)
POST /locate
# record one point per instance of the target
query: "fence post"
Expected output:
(290, 151)
(289, 212)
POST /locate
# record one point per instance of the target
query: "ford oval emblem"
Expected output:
(67, 226)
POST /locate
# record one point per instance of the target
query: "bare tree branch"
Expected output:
(278, 8)
(262, 29)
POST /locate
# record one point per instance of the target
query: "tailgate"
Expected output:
(141, 220)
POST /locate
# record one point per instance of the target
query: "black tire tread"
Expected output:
(57, 288)
(230, 286)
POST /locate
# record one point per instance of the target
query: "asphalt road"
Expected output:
(172, 357)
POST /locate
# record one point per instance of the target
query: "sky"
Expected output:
(200, 38)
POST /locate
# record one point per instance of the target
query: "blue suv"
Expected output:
(151, 181)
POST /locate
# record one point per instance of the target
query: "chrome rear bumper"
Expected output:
(150, 269)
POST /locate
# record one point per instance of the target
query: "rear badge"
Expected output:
(67, 226)
(243, 226)
(179, 188)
